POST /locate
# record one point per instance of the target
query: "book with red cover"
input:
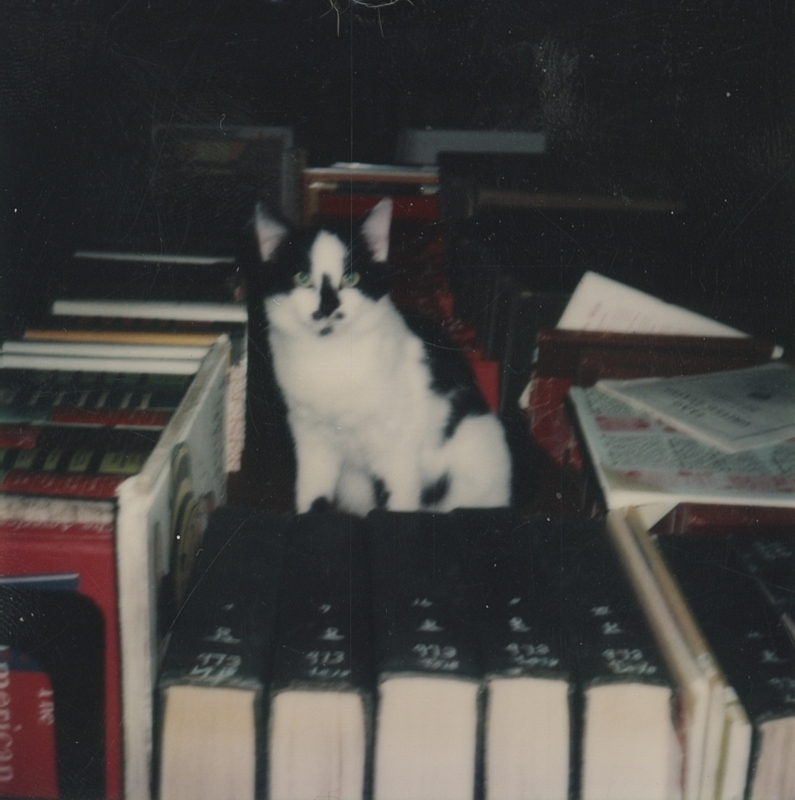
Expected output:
(123, 511)
(86, 553)
(28, 767)
(62, 688)
(80, 462)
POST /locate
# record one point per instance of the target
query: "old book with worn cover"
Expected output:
(322, 685)
(213, 682)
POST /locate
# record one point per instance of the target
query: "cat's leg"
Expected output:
(318, 467)
(477, 464)
(402, 481)
(355, 493)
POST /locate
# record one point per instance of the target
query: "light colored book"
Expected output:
(735, 410)
(104, 350)
(152, 309)
(640, 461)
(715, 728)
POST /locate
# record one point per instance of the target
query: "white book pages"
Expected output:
(602, 304)
(426, 739)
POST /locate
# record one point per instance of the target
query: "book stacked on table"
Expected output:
(109, 466)
(412, 655)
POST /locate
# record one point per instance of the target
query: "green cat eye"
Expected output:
(302, 279)
(350, 279)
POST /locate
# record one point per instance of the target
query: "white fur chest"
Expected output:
(369, 378)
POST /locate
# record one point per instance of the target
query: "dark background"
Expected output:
(685, 100)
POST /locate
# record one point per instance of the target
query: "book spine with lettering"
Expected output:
(65, 397)
(427, 658)
(322, 684)
(712, 721)
(78, 557)
(28, 760)
(627, 744)
(217, 662)
(163, 327)
(753, 648)
(75, 462)
(527, 666)
(62, 632)
(769, 556)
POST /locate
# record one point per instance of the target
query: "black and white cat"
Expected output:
(382, 413)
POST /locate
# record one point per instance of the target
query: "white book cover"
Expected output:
(160, 519)
(100, 363)
(734, 410)
(639, 460)
(711, 720)
(152, 309)
(104, 350)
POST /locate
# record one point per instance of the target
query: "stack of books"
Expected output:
(113, 455)
(683, 434)
(412, 655)
(151, 307)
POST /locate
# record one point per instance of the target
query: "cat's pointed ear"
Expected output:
(270, 232)
(375, 229)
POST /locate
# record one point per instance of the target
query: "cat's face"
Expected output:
(321, 281)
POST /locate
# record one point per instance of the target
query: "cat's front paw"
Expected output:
(320, 505)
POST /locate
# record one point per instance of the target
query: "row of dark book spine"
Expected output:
(413, 655)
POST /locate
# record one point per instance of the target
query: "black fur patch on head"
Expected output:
(434, 493)
(329, 300)
(292, 256)
(451, 376)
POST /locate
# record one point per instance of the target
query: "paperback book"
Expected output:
(732, 411)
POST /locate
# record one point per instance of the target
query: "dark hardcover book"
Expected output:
(528, 677)
(626, 745)
(216, 665)
(427, 658)
(62, 632)
(751, 646)
(75, 462)
(124, 399)
(769, 556)
(321, 690)
(114, 275)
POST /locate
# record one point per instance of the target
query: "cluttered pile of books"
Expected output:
(641, 648)
(121, 414)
